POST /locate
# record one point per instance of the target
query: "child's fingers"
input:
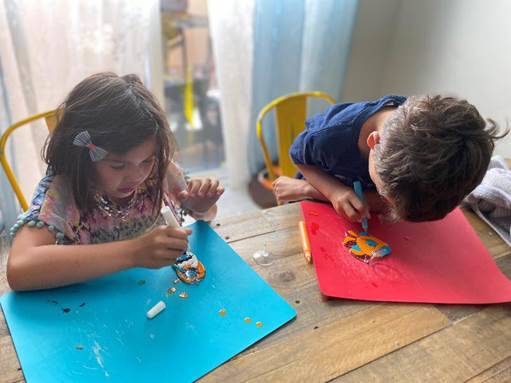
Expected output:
(360, 207)
(173, 243)
(173, 232)
(220, 191)
(193, 187)
(203, 190)
(166, 257)
(213, 188)
(183, 196)
(349, 212)
(356, 203)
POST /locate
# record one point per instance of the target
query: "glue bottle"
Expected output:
(176, 178)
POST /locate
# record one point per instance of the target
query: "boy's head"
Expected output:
(430, 153)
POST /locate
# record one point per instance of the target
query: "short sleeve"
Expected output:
(303, 151)
(52, 206)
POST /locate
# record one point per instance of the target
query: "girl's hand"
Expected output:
(160, 247)
(201, 194)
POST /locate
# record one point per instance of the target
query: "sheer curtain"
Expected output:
(48, 46)
(232, 33)
(267, 48)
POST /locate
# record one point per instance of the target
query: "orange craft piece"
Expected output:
(365, 246)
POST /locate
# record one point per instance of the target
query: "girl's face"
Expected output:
(120, 175)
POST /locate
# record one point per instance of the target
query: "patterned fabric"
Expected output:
(53, 206)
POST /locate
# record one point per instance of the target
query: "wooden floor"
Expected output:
(349, 341)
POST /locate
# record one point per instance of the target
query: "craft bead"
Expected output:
(156, 309)
(31, 223)
(39, 224)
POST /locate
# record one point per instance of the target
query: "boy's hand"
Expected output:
(160, 247)
(201, 194)
(290, 189)
(347, 204)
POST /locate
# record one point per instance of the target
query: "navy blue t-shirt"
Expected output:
(330, 140)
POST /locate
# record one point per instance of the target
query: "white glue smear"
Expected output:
(97, 352)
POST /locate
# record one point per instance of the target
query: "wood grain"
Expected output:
(455, 354)
(343, 340)
(317, 355)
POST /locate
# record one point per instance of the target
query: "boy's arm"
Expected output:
(343, 198)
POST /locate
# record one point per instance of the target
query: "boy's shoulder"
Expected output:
(330, 140)
(345, 117)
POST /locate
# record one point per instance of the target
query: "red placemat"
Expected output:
(431, 262)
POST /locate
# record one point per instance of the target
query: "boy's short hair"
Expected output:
(433, 151)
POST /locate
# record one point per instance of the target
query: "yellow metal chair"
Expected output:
(290, 115)
(51, 121)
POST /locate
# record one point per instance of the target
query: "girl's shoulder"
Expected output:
(57, 200)
(52, 205)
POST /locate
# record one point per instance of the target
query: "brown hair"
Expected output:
(119, 113)
(433, 151)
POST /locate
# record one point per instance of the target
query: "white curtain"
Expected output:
(48, 46)
(265, 49)
(231, 28)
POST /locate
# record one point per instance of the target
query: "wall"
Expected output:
(458, 47)
(372, 38)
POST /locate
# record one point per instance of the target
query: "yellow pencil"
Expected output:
(305, 242)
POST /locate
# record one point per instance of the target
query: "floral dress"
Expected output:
(53, 206)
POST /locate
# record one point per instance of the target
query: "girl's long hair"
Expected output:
(119, 113)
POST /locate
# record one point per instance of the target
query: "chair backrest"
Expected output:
(50, 118)
(290, 115)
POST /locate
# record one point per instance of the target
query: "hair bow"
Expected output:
(84, 140)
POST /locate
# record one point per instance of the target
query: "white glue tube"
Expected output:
(156, 309)
(169, 217)
(176, 178)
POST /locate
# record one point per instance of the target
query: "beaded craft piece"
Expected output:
(189, 269)
(364, 246)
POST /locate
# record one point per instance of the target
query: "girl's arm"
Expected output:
(35, 262)
(201, 196)
(207, 215)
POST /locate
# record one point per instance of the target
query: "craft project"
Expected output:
(189, 269)
(364, 246)
(434, 262)
(100, 331)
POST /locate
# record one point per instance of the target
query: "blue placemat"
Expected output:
(99, 331)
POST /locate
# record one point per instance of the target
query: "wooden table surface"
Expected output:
(349, 341)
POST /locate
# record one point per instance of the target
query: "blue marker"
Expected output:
(360, 194)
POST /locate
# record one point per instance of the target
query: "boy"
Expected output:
(416, 158)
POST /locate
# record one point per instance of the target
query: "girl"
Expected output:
(109, 172)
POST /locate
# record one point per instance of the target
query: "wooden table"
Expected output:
(349, 341)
